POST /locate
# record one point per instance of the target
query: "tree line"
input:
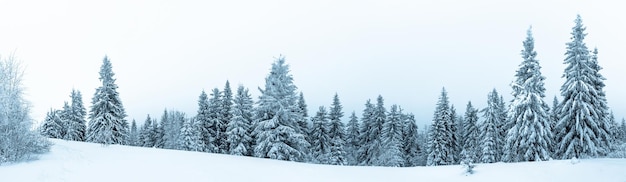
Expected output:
(277, 125)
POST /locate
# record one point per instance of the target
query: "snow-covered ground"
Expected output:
(76, 161)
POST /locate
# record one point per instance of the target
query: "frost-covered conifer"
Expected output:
(489, 134)
(52, 125)
(107, 124)
(238, 131)
(320, 137)
(189, 138)
(367, 139)
(352, 140)
(530, 135)
(582, 130)
(410, 145)
(391, 136)
(336, 133)
(439, 147)
(277, 136)
(227, 115)
(471, 144)
(207, 129)
(133, 138)
(216, 121)
(146, 137)
(77, 117)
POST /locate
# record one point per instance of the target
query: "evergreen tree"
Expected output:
(172, 128)
(146, 136)
(320, 137)
(391, 136)
(207, 129)
(471, 133)
(352, 140)
(530, 137)
(368, 136)
(68, 126)
(410, 144)
(452, 127)
(238, 132)
(302, 109)
(554, 119)
(53, 125)
(440, 148)
(107, 124)
(489, 129)
(159, 131)
(623, 130)
(189, 138)
(216, 120)
(133, 140)
(336, 133)
(78, 113)
(582, 130)
(277, 136)
(227, 115)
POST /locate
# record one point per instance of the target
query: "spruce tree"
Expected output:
(227, 115)
(52, 125)
(107, 124)
(391, 136)
(146, 137)
(439, 148)
(471, 144)
(454, 141)
(207, 129)
(320, 137)
(133, 139)
(68, 126)
(336, 133)
(159, 131)
(239, 131)
(582, 130)
(189, 139)
(489, 129)
(216, 121)
(352, 140)
(277, 136)
(302, 109)
(530, 137)
(78, 113)
(410, 135)
(367, 139)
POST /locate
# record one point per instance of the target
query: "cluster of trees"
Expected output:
(17, 140)
(579, 126)
(277, 125)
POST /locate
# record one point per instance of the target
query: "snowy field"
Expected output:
(76, 161)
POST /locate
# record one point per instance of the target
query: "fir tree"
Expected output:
(410, 135)
(52, 125)
(227, 115)
(440, 148)
(582, 130)
(391, 136)
(368, 136)
(207, 129)
(78, 113)
(238, 132)
(471, 145)
(107, 123)
(336, 133)
(452, 127)
(133, 138)
(159, 131)
(68, 126)
(277, 136)
(489, 129)
(216, 121)
(146, 136)
(352, 140)
(623, 130)
(302, 109)
(320, 137)
(189, 138)
(530, 137)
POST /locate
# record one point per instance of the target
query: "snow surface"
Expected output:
(77, 161)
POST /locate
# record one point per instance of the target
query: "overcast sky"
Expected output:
(164, 53)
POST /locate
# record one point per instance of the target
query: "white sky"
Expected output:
(164, 53)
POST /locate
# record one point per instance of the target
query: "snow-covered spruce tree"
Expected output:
(582, 130)
(277, 118)
(391, 136)
(452, 127)
(172, 129)
(159, 130)
(336, 133)
(554, 119)
(530, 137)
(227, 115)
(352, 140)
(602, 104)
(440, 149)
(17, 141)
(52, 126)
(107, 123)
(133, 138)
(490, 138)
(623, 130)
(65, 114)
(207, 129)
(367, 139)
(77, 117)
(146, 139)
(302, 109)
(471, 133)
(216, 121)
(189, 139)
(614, 129)
(238, 131)
(410, 145)
(320, 137)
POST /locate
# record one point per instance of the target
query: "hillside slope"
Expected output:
(77, 161)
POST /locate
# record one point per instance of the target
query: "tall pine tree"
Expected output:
(336, 133)
(489, 134)
(440, 148)
(582, 130)
(391, 136)
(107, 124)
(239, 131)
(227, 115)
(471, 144)
(277, 136)
(352, 140)
(367, 137)
(320, 137)
(410, 146)
(207, 129)
(530, 137)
